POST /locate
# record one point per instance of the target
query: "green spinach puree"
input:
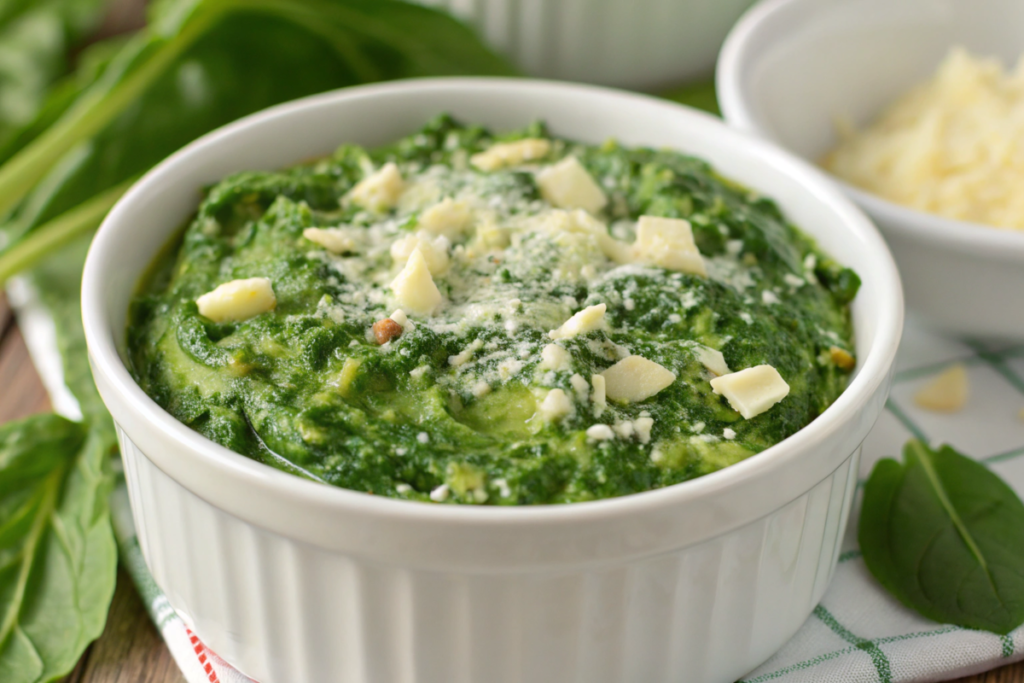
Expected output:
(404, 321)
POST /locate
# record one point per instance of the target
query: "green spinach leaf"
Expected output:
(35, 39)
(57, 552)
(260, 50)
(945, 535)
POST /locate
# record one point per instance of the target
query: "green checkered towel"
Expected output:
(857, 634)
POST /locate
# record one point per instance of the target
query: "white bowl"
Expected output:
(790, 67)
(295, 582)
(637, 44)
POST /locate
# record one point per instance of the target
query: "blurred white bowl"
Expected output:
(635, 44)
(789, 68)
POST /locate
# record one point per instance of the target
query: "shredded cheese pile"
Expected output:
(952, 146)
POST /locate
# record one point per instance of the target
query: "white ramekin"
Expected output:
(296, 582)
(790, 68)
(637, 44)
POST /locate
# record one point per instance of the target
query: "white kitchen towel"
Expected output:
(858, 634)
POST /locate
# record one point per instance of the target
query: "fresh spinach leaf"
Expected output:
(945, 535)
(90, 65)
(35, 39)
(57, 552)
(354, 41)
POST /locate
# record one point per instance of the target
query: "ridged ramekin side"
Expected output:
(284, 611)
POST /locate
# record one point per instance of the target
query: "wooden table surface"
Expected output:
(130, 649)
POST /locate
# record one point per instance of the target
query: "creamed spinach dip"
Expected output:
(463, 317)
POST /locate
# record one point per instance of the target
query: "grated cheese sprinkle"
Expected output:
(952, 146)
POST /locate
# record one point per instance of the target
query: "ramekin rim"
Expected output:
(877, 362)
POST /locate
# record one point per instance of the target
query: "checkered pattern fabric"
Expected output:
(858, 634)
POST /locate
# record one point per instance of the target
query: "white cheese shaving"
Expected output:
(568, 185)
(400, 317)
(712, 359)
(580, 386)
(635, 378)
(793, 280)
(509, 367)
(555, 406)
(589, 319)
(600, 433)
(505, 154)
(623, 429)
(599, 396)
(554, 357)
(440, 494)
(334, 240)
(414, 288)
(643, 426)
(580, 222)
(434, 250)
(238, 300)
(379, 191)
(668, 243)
(752, 391)
(448, 217)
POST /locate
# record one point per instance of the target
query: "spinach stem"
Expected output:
(58, 232)
(920, 452)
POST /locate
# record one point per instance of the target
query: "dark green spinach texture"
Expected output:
(412, 421)
(945, 535)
